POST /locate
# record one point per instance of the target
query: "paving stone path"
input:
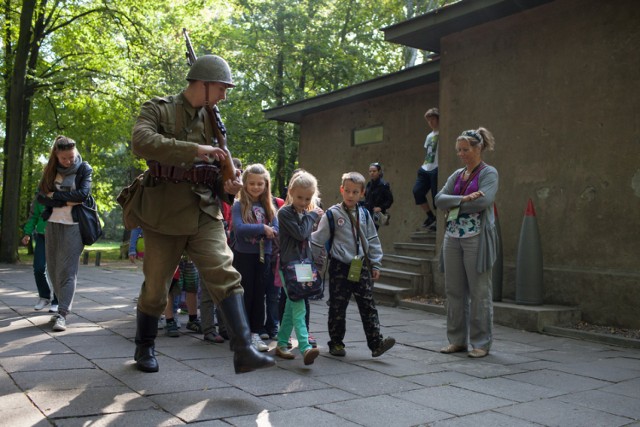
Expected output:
(85, 375)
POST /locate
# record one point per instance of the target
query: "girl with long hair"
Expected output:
(66, 182)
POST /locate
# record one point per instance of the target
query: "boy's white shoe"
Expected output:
(42, 303)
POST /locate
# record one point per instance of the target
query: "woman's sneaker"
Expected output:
(42, 303)
(60, 324)
(258, 343)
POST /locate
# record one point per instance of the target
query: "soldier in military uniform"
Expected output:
(180, 211)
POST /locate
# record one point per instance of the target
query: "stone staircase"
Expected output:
(407, 270)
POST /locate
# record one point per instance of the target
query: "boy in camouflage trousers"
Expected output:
(355, 256)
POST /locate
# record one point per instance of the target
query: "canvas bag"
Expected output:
(130, 198)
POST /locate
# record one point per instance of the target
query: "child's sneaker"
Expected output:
(213, 337)
(289, 344)
(337, 350)
(264, 336)
(258, 343)
(284, 353)
(310, 355)
(53, 308)
(194, 326)
(312, 341)
(385, 345)
(172, 329)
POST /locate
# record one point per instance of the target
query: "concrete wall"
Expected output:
(559, 85)
(326, 150)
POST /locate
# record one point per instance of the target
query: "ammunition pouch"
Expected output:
(200, 173)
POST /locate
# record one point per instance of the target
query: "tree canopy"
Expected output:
(82, 68)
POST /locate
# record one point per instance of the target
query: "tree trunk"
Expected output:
(17, 117)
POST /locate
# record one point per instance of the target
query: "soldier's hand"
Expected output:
(210, 154)
(233, 186)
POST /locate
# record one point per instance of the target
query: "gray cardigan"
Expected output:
(488, 184)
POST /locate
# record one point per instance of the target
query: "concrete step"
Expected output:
(422, 250)
(404, 279)
(387, 294)
(537, 318)
(423, 236)
(407, 263)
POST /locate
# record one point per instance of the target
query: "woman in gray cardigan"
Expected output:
(470, 245)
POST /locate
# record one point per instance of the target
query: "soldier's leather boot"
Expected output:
(245, 356)
(146, 332)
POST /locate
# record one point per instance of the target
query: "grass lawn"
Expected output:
(110, 251)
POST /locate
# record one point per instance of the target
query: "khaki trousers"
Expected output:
(209, 251)
(469, 300)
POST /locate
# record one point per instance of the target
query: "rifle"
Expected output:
(226, 165)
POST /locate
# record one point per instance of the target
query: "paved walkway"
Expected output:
(85, 375)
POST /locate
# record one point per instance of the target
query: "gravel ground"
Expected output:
(581, 326)
(607, 330)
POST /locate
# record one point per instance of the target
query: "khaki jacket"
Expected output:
(168, 207)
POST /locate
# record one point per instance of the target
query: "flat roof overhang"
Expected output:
(425, 31)
(419, 75)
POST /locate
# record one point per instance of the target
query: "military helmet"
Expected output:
(211, 68)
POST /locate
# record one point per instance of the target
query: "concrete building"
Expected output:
(558, 83)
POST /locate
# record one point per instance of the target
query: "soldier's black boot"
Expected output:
(245, 356)
(146, 332)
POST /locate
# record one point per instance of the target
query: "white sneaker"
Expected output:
(53, 308)
(42, 303)
(258, 343)
(162, 322)
(60, 324)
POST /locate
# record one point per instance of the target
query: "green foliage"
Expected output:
(100, 59)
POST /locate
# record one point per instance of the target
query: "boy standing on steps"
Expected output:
(355, 256)
(427, 179)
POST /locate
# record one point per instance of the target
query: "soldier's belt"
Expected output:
(200, 173)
